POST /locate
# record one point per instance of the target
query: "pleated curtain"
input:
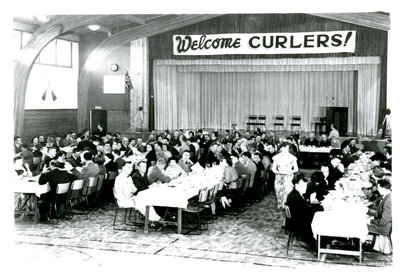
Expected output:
(216, 94)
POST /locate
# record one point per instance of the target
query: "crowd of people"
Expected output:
(269, 159)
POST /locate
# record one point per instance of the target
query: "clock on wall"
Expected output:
(114, 67)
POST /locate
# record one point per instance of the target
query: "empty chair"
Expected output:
(320, 126)
(296, 123)
(252, 121)
(262, 121)
(279, 123)
(61, 198)
(197, 207)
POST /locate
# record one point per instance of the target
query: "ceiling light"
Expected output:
(94, 27)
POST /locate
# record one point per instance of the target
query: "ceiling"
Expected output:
(118, 22)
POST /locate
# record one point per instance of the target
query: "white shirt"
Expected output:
(124, 190)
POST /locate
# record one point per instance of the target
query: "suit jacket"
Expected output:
(314, 142)
(140, 182)
(334, 175)
(156, 175)
(54, 178)
(301, 214)
(382, 223)
(74, 162)
(90, 170)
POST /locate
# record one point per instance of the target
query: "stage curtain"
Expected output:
(217, 95)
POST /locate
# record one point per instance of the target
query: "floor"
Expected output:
(254, 241)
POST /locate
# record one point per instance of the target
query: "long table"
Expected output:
(174, 195)
(32, 190)
(344, 215)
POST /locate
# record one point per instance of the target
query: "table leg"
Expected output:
(146, 219)
(179, 218)
(360, 250)
(36, 208)
(318, 246)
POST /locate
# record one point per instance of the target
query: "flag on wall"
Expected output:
(128, 88)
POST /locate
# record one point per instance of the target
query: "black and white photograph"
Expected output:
(178, 140)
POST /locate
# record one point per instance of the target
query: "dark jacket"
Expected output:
(140, 182)
(54, 178)
(382, 223)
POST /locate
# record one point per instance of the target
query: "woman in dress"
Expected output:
(284, 166)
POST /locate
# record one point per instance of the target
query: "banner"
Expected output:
(268, 43)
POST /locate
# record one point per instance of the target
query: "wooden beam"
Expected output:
(115, 41)
(133, 18)
(373, 20)
(25, 60)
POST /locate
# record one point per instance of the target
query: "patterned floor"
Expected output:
(253, 238)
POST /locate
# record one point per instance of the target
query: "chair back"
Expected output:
(100, 182)
(203, 195)
(287, 213)
(240, 182)
(112, 175)
(246, 181)
(296, 119)
(90, 186)
(279, 117)
(76, 188)
(252, 117)
(62, 188)
(262, 117)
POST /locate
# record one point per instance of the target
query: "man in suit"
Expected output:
(311, 141)
(139, 178)
(90, 169)
(301, 212)
(17, 145)
(324, 142)
(157, 172)
(381, 223)
(185, 163)
(54, 176)
(75, 159)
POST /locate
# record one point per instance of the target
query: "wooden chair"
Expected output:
(262, 121)
(296, 123)
(75, 195)
(100, 182)
(197, 207)
(127, 216)
(89, 190)
(109, 185)
(251, 121)
(320, 126)
(288, 227)
(279, 123)
(62, 192)
(211, 202)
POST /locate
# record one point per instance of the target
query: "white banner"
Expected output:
(268, 43)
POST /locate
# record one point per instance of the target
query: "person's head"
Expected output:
(99, 159)
(124, 141)
(161, 163)
(132, 142)
(18, 140)
(114, 145)
(176, 134)
(87, 156)
(142, 167)
(139, 141)
(312, 135)
(345, 146)
(335, 162)
(53, 164)
(51, 152)
(284, 146)
(324, 137)
(257, 157)
(246, 156)
(352, 142)
(35, 140)
(140, 109)
(149, 147)
(377, 158)
(24, 146)
(157, 146)
(317, 177)
(300, 182)
(185, 155)
(384, 187)
(325, 170)
(173, 161)
(127, 168)
(226, 132)
(377, 171)
(206, 137)
(41, 140)
(164, 147)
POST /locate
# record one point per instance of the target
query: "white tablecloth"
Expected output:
(30, 185)
(177, 192)
(311, 149)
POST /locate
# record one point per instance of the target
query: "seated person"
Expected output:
(124, 192)
(311, 140)
(90, 169)
(157, 173)
(54, 176)
(324, 142)
(174, 170)
(139, 178)
(316, 191)
(336, 170)
(348, 157)
(301, 213)
(381, 223)
(185, 163)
